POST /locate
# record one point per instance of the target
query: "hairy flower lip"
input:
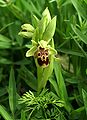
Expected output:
(42, 56)
(41, 51)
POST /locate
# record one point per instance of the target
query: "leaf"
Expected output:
(82, 37)
(71, 52)
(4, 42)
(76, 113)
(3, 91)
(49, 32)
(42, 26)
(16, 11)
(28, 77)
(61, 85)
(4, 113)
(12, 91)
(35, 36)
(47, 13)
(80, 9)
(53, 82)
(23, 115)
(84, 94)
(5, 61)
(35, 21)
(31, 7)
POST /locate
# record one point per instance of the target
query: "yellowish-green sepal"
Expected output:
(31, 51)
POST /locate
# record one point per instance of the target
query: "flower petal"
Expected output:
(51, 50)
(31, 51)
(43, 43)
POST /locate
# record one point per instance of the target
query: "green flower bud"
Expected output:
(26, 34)
(27, 31)
(27, 28)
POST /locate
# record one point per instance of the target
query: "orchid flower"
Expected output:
(42, 49)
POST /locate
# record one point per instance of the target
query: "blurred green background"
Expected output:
(18, 73)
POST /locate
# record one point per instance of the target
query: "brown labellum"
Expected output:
(42, 56)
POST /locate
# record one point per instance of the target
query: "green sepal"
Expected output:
(49, 32)
(31, 51)
(34, 43)
(43, 44)
(26, 34)
(52, 50)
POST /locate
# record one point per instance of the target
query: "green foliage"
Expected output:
(4, 113)
(18, 74)
(40, 103)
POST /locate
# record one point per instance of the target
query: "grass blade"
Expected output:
(4, 42)
(82, 37)
(61, 85)
(4, 113)
(23, 115)
(84, 94)
(80, 8)
(12, 92)
(28, 77)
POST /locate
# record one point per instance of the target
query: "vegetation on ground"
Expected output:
(63, 96)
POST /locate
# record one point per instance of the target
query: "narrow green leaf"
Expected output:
(35, 36)
(4, 113)
(30, 7)
(84, 94)
(49, 32)
(35, 21)
(17, 12)
(42, 26)
(76, 113)
(61, 84)
(80, 8)
(5, 61)
(12, 91)
(71, 52)
(3, 91)
(23, 115)
(53, 82)
(4, 42)
(28, 77)
(81, 49)
(47, 13)
(82, 37)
